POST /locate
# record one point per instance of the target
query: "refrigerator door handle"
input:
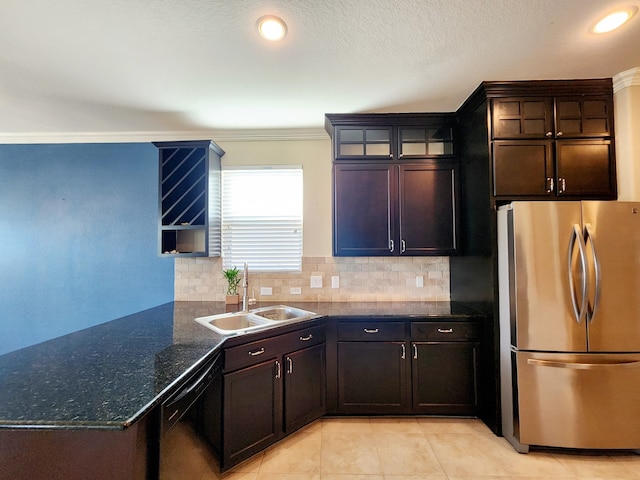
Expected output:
(581, 366)
(596, 267)
(579, 311)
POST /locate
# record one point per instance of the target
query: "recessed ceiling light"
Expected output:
(271, 28)
(615, 20)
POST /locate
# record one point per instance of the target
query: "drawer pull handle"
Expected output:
(371, 330)
(290, 363)
(307, 338)
(445, 330)
(257, 352)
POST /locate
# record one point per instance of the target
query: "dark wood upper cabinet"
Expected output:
(395, 184)
(550, 139)
(364, 209)
(189, 198)
(428, 208)
(522, 167)
(523, 117)
(586, 116)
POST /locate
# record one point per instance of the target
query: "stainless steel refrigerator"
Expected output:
(569, 289)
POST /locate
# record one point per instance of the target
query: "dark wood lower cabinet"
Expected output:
(263, 402)
(271, 387)
(304, 387)
(372, 377)
(444, 378)
(432, 372)
(252, 411)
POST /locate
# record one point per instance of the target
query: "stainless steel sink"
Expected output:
(233, 323)
(280, 313)
(258, 319)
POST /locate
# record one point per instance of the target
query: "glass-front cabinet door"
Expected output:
(415, 142)
(364, 142)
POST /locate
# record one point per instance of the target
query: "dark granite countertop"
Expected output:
(110, 375)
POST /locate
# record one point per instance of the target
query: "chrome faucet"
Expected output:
(245, 288)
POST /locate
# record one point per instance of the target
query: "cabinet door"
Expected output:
(526, 117)
(428, 209)
(586, 168)
(358, 142)
(444, 378)
(425, 142)
(523, 168)
(583, 116)
(252, 417)
(372, 377)
(304, 387)
(364, 210)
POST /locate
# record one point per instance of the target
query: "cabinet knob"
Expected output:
(548, 134)
(559, 134)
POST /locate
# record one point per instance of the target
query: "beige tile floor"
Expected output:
(408, 449)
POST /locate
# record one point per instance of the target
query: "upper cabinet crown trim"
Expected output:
(530, 88)
(394, 119)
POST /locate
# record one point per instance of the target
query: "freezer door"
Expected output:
(613, 233)
(541, 311)
(579, 400)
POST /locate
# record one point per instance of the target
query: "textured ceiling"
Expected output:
(193, 65)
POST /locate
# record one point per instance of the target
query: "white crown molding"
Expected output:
(626, 79)
(143, 137)
(270, 134)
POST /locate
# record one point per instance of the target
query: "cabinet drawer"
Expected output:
(303, 338)
(445, 331)
(251, 353)
(373, 331)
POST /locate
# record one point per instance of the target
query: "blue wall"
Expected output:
(78, 238)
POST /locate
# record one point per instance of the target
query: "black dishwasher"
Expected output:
(185, 418)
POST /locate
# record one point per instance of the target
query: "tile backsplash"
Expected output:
(360, 279)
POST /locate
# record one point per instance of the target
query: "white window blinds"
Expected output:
(262, 218)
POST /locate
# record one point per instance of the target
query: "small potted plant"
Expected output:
(232, 275)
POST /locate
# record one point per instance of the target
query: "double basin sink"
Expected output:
(257, 319)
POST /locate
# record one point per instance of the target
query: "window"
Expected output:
(262, 218)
